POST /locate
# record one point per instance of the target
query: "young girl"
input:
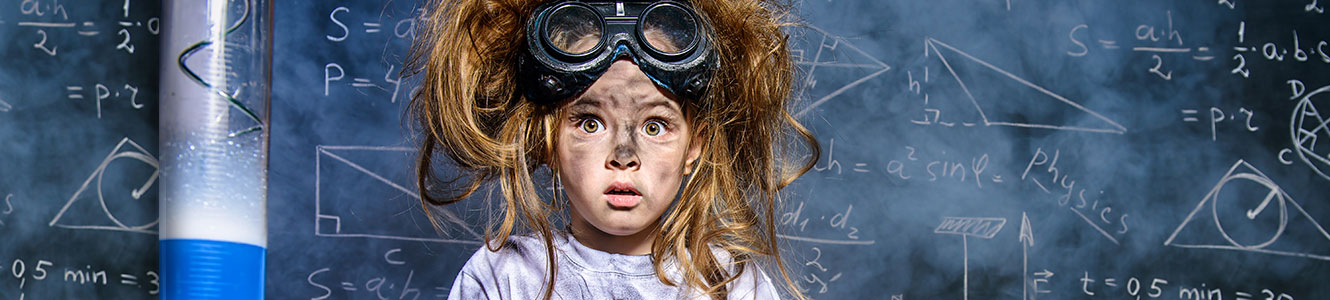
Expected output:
(663, 125)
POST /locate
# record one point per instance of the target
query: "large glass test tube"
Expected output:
(215, 92)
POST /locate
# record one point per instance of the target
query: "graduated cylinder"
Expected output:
(215, 93)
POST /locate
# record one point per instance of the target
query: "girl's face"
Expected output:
(623, 148)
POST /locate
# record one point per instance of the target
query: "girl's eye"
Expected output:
(653, 128)
(591, 125)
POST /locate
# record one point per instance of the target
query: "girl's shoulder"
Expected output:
(518, 251)
(492, 274)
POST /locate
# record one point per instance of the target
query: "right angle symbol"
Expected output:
(1251, 213)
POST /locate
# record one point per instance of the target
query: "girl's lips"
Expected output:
(623, 201)
(622, 195)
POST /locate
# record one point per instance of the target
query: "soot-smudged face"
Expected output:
(623, 148)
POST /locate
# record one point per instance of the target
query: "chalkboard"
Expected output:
(1064, 150)
(971, 150)
(78, 161)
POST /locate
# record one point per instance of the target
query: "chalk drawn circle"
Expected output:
(1277, 194)
(1307, 125)
(101, 194)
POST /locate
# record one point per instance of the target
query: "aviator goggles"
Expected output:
(569, 44)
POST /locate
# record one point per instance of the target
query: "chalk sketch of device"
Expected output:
(1059, 107)
(1262, 210)
(137, 214)
(835, 54)
(1310, 129)
(967, 227)
(357, 195)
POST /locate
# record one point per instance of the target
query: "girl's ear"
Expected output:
(694, 151)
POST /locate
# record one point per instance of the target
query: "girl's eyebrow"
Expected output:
(584, 104)
(656, 103)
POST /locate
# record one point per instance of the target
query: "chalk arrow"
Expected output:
(1027, 241)
(1027, 235)
(1045, 274)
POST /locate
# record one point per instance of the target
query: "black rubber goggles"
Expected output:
(571, 43)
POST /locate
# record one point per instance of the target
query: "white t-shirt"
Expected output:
(518, 271)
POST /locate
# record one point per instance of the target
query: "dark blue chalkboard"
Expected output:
(1064, 150)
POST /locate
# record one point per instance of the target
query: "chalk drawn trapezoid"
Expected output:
(334, 211)
(873, 65)
(127, 149)
(1241, 170)
(1104, 124)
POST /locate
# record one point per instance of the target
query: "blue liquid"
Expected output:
(206, 269)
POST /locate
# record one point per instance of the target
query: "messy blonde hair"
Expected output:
(469, 108)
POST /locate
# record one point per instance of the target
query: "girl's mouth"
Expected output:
(622, 195)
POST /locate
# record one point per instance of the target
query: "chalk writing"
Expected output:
(1315, 50)
(31, 272)
(1151, 288)
(380, 286)
(1217, 115)
(102, 92)
(9, 208)
(1060, 178)
(813, 278)
(53, 19)
(1159, 40)
(404, 28)
(917, 165)
(335, 72)
(837, 222)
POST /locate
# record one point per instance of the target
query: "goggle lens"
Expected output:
(668, 29)
(573, 29)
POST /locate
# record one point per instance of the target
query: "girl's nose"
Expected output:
(624, 156)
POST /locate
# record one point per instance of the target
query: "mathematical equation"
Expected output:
(1159, 40)
(127, 93)
(381, 286)
(915, 166)
(335, 73)
(1243, 117)
(1273, 51)
(27, 273)
(50, 21)
(1159, 287)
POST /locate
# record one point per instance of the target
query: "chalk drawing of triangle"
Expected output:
(1297, 233)
(88, 209)
(365, 192)
(836, 57)
(1000, 97)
